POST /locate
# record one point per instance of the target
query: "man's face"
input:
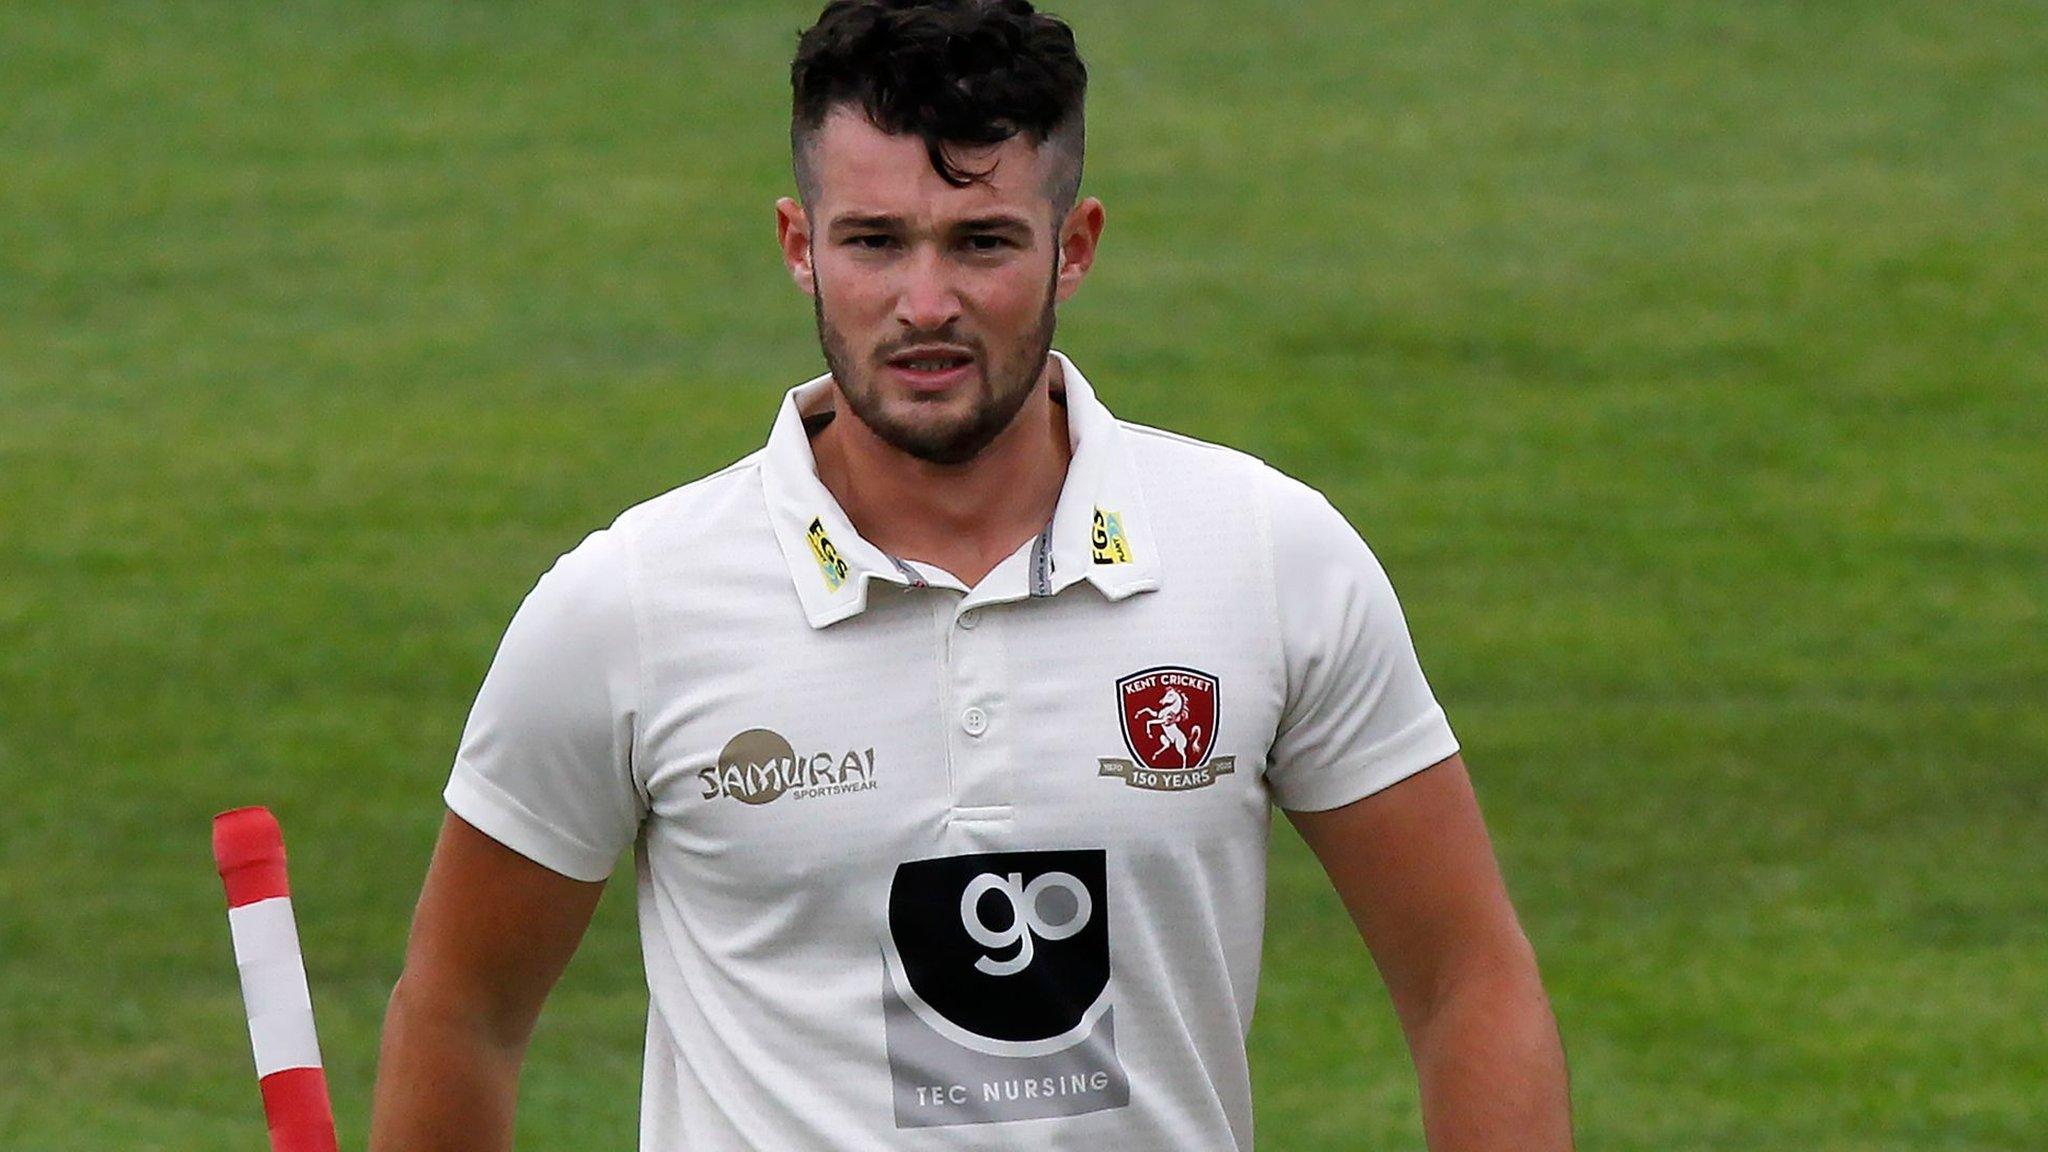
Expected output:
(934, 303)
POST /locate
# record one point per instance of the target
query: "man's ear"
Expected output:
(793, 234)
(1080, 235)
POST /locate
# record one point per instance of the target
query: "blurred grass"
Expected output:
(1687, 365)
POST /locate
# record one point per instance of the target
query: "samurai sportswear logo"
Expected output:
(758, 766)
(830, 563)
(996, 999)
(1170, 717)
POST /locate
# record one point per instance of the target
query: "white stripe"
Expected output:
(274, 992)
(284, 1040)
(264, 930)
(275, 986)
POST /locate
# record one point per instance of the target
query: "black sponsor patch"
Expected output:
(1007, 945)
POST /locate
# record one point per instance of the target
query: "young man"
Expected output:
(945, 728)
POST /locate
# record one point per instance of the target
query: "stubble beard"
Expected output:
(1003, 390)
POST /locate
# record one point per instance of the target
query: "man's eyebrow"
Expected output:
(883, 222)
(997, 223)
(879, 222)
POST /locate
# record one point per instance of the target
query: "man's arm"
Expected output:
(1416, 870)
(492, 933)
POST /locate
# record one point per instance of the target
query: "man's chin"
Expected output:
(947, 427)
(949, 445)
(935, 429)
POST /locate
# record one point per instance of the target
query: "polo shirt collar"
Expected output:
(1099, 531)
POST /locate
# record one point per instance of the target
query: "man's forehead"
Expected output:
(862, 170)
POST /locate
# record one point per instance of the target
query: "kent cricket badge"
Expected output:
(1169, 717)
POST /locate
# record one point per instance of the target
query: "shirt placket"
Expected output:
(978, 724)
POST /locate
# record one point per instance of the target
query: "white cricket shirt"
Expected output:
(929, 867)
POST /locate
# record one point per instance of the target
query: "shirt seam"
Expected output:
(1269, 550)
(586, 859)
(1178, 438)
(635, 752)
(1393, 759)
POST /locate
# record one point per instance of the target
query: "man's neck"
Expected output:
(963, 518)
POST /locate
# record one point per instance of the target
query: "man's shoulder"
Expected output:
(709, 505)
(1213, 493)
(600, 568)
(1216, 470)
(1157, 453)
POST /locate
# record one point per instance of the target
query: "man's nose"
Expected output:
(928, 300)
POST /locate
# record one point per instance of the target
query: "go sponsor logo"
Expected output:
(1026, 919)
(998, 1002)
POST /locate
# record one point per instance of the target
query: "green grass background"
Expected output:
(1686, 363)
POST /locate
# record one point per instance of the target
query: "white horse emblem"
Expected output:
(1165, 723)
(1171, 719)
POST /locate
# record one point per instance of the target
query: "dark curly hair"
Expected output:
(954, 72)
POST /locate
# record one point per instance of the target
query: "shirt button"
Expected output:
(970, 618)
(975, 721)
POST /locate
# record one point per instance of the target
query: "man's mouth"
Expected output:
(932, 367)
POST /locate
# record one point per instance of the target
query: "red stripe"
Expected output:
(256, 882)
(295, 1105)
(248, 849)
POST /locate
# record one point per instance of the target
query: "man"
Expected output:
(945, 727)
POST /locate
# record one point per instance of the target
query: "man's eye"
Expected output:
(872, 241)
(986, 243)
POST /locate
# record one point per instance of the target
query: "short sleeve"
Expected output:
(1359, 715)
(546, 762)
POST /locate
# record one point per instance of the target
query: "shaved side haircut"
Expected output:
(955, 73)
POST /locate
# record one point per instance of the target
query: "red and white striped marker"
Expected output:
(248, 847)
